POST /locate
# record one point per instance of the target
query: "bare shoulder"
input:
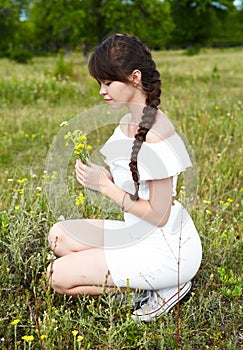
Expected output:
(161, 130)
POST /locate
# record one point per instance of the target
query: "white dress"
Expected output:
(138, 253)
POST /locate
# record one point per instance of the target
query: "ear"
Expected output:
(136, 77)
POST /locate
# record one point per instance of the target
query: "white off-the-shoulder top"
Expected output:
(163, 159)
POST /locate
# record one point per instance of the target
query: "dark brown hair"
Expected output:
(115, 60)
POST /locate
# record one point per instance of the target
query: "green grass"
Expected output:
(202, 95)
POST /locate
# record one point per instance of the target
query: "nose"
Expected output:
(102, 90)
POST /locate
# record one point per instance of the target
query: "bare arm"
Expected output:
(156, 210)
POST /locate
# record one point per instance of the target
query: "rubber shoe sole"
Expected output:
(166, 303)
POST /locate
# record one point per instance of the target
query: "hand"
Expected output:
(92, 176)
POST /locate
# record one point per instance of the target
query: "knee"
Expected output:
(54, 237)
(53, 276)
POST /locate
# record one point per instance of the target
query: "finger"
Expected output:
(80, 179)
(88, 162)
(79, 175)
(80, 164)
(78, 169)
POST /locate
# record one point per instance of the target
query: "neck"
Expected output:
(136, 111)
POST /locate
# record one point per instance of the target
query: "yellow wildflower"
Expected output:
(68, 135)
(43, 336)
(78, 148)
(80, 338)
(79, 140)
(17, 207)
(28, 338)
(21, 181)
(74, 332)
(14, 322)
(80, 199)
(76, 132)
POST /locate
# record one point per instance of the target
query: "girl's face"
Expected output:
(117, 93)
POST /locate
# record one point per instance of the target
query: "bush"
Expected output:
(63, 70)
(193, 50)
(20, 55)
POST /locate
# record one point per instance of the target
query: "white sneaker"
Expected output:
(160, 301)
(136, 299)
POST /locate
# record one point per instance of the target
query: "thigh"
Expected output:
(79, 269)
(70, 236)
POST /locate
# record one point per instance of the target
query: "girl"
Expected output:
(156, 248)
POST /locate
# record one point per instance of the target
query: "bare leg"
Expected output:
(81, 268)
(62, 243)
(83, 272)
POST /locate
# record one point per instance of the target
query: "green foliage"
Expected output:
(193, 50)
(196, 23)
(150, 20)
(232, 285)
(58, 24)
(208, 110)
(20, 55)
(27, 92)
(63, 70)
(230, 29)
(8, 25)
(48, 26)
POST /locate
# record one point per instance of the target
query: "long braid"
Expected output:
(148, 118)
(115, 59)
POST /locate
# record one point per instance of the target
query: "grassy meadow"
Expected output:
(203, 95)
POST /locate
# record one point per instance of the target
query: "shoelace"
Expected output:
(137, 298)
(152, 300)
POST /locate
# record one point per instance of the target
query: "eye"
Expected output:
(107, 83)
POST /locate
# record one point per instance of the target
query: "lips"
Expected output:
(108, 100)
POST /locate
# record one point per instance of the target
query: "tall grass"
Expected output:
(203, 96)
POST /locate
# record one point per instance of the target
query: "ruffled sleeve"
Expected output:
(163, 159)
(155, 160)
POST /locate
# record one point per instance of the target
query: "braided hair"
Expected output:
(115, 59)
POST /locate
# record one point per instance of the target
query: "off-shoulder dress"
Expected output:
(138, 253)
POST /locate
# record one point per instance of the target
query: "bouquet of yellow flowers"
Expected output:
(81, 148)
(79, 140)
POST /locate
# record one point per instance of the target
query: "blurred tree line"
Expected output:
(42, 26)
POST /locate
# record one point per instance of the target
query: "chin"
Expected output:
(117, 105)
